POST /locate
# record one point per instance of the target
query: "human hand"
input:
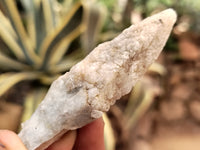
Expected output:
(89, 137)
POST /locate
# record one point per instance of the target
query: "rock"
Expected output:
(194, 108)
(181, 92)
(176, 76)
(190, 74)
(106, 74)
(173, 110)
(141, 145)
(189, 51)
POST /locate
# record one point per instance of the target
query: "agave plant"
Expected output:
(45, 38)
(41, 40)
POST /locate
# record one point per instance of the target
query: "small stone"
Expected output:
(181, 92)
(175, 77)
(141, 145)
(173, 110)
(194, 108)
(189, 50)
(190, 74)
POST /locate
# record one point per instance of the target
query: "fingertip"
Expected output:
(66, 142)
(91, 136)
(10, 141)
(99, 122)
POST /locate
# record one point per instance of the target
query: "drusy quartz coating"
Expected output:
(94, 84)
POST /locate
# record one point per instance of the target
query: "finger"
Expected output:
(65, 143)
(91, 136)
(10, 141)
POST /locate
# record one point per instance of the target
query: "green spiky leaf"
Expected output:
(8, 63)
(23, 39)
(7, 80)
(67, 30)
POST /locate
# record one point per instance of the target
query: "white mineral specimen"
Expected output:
(93, 85)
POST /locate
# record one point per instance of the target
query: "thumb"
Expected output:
(65, 143)
(10, 141)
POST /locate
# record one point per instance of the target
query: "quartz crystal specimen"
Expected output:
(94, 84)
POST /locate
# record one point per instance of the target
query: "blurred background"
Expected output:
(42, 39)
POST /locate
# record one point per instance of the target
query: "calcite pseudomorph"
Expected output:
(94, 84)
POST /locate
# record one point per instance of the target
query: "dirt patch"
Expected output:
(175, 116)
(172, 122)
(175, 142)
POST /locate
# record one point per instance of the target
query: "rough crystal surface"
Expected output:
(93, 85)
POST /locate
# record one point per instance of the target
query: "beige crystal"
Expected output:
(93, 85)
